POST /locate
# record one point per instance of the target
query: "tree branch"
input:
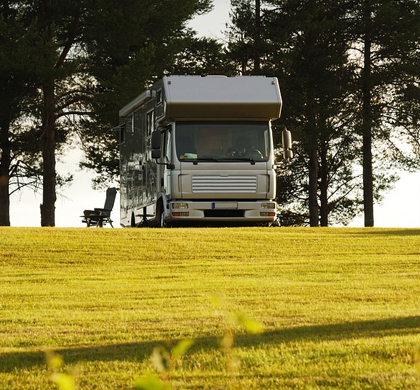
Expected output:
(73, 30)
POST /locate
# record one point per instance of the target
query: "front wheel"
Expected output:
(162, 222)
(133, 221)
(161, 216)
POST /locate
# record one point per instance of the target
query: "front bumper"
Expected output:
(223, 211)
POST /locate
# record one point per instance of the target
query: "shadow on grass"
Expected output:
(397, 232)
(139, 351)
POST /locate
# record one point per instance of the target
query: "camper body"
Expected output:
(200, 150)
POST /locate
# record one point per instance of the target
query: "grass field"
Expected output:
(340, 308)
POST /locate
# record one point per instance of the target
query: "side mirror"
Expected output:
(156, 140)
(286, 140)
(156, 149)
(156, 144)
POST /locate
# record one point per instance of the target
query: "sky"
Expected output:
(400, 208)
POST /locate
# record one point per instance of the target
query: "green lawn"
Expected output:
(340, 308)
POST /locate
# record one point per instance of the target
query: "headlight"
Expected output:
(179, 205)
(268, 205)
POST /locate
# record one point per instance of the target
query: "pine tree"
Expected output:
(308, 47)
(17, 82)
(386, 36)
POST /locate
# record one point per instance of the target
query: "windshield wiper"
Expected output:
(238, 159)
(195, 161)
(221, 159)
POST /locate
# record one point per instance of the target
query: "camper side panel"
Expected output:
(138, 171)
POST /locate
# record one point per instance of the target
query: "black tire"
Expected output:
(160, 211)
(133, 221)
(162, 222)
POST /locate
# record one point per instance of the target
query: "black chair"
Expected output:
(99, 217)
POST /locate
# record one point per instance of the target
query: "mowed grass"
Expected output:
(340, 307)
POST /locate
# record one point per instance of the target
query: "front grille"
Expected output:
(224, 213)
(224, 184)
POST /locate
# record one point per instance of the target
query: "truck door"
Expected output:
(168, 158)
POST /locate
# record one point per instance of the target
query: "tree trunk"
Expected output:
(313, 189)
(4, 176)
(257, 38)
(48, 156)
(367, 121)
(48, 139)
(324, 185)
(313, 158)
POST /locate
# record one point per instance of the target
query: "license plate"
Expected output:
(224, 205)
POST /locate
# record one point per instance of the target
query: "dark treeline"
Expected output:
(351, 91)
(348, 70)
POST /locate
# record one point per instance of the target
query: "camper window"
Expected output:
(150, 124)
(158, 97)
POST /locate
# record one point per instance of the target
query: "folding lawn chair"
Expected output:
(99, 217)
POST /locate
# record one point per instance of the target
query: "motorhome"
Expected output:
(199, 150)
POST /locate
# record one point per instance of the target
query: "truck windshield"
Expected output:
(222, 141)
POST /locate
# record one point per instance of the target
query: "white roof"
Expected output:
(137, 102)
(221, 97)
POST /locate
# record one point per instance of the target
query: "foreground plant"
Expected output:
(64, 380)
(163, 358)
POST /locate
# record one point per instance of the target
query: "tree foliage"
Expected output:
(348, 70)
(385, 39)
(89, 58)
(129, 61)
(333, 101)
